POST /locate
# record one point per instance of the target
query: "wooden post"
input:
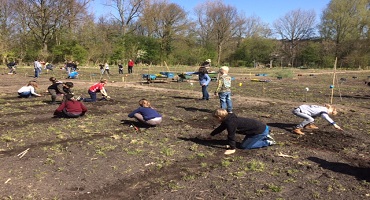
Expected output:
(332, 89)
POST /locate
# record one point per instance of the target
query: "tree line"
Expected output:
(154, 31)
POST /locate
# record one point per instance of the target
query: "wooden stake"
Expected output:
(332, 89)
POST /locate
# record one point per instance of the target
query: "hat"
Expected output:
(208, 60)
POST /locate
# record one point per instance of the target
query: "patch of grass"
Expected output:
(167, 151)
(255, 165)
(225, 163)
(274, 188)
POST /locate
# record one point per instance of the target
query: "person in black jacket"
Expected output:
(59, 88)
(256, 133)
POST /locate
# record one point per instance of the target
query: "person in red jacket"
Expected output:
(97, 87)
(70, 108)
(130, 66)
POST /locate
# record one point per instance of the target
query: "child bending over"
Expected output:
(256, 133)
(146, 114)
(309, 112)
(28, 90)
(97, 87)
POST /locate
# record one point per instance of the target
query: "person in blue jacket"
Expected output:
(146, 114)
(204, 81)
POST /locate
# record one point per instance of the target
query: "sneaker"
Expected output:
(270, 138)
(271, 142)
(229, 151)
(311, 126)
(79, 98)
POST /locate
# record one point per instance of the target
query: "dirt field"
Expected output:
(99, 156)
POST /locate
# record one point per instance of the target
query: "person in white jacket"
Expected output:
(28, 90)
(309, 112)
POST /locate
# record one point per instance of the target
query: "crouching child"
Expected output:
(145, 114)
(256, 133)
(70, 108)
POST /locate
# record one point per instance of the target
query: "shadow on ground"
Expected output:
(358, 172)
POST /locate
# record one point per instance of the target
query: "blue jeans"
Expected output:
(92, 97)
(37, 72)
(205, 92)
(225, 101)
(307, 118)
(256, 141)
(25, 94)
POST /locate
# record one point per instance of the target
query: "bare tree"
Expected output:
(219, 23)
(294, 26)
(166, 21)
(128, 11)
(44, 18)
(254, 27)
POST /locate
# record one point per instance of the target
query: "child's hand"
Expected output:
(338, 127)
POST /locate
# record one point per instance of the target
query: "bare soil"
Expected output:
(99, 156)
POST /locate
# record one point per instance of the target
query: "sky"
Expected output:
(267, 10)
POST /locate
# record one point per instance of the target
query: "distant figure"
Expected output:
(309, 112)
(106, 68)
(28, 90)
(102, 70)
(120, 68)
(204, 81)
(12, 66)
(48, 67)
(37, 67)
(130, 66)
(73, 75)
(70, 108)
(206, 64)
(146, 114)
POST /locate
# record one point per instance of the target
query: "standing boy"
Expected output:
(223, 89)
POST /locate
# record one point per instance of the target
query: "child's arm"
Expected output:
(104, 93)
(330, 120)
(219, 86)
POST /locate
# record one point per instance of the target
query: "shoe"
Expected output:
(229, 151)
(79, 98)
(271, 142)
(270, 138)
(311, 126)
(298, 131)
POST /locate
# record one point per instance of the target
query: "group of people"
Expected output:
(104, 68)
(257, 134)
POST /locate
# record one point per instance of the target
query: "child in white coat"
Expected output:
(309, 112)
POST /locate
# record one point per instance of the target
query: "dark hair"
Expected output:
(69, 84)
(52, 79)
(69, 96)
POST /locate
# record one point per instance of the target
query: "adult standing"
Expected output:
(130, 66)
(37, 67)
